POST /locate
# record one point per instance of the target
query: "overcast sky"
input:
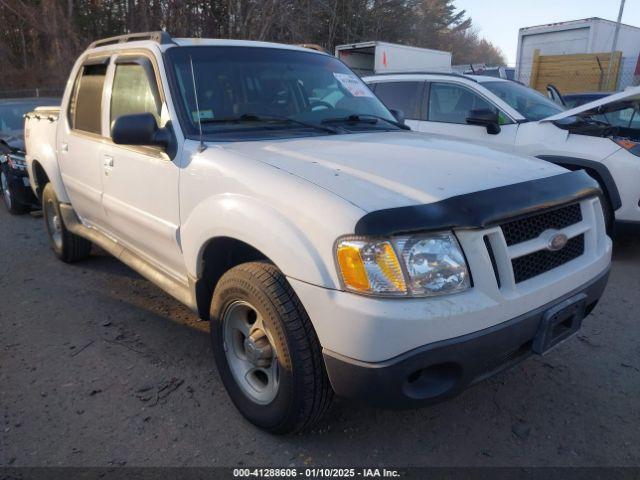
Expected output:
(499, 20)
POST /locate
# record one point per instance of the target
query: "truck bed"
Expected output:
(40, 139)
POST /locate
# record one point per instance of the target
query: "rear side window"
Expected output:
(85, 108)
(134, 91)
(404, 96)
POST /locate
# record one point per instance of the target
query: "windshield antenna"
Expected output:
(201, 147)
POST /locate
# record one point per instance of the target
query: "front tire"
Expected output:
(67, 246)
(267, 351)
(9, 197)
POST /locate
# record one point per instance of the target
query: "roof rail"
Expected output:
(163, 38)
(424, 72)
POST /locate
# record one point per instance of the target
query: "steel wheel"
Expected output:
(53, 222)
(6, 191)
(249, 350)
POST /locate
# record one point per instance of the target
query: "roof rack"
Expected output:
(448, 74)
(163, 38)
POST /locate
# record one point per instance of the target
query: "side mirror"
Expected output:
(139, 129)
(485, 117)
(398, 115)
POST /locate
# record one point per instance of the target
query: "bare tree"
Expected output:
(40, 39)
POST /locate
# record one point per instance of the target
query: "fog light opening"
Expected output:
(432, 381)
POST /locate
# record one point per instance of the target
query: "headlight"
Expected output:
(414, 265)
(16, 162)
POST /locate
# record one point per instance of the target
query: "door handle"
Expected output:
(107, 162)
(64, 147)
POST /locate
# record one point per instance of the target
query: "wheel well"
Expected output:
(597, 171)
(219, 256)
(41, 178)
(598, 178)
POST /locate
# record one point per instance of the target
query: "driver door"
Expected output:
(140, 184)
(447, 107)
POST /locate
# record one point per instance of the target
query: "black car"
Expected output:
(16, 192)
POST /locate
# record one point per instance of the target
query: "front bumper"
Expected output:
(438, 371)
(625, 170)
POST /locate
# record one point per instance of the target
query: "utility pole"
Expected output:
(615, 42)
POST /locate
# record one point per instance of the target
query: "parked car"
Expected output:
(332, 250)
(16, 191)
(572, 100)
(601, 137)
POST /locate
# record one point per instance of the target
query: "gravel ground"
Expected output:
(98, 367)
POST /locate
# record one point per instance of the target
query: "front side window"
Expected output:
(529, 103)
(236, 85)
(85, 108)
(134, 91)
(450, 103)
(403, 96)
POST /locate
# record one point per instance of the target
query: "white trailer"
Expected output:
(589, 35)
(366, 58)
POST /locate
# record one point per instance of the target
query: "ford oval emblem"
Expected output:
(557, 242)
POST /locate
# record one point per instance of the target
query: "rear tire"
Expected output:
(9, 197)
(254, 301)
(67, 246)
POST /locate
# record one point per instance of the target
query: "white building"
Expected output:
(590, 35)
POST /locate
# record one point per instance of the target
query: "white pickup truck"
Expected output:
(267, 188)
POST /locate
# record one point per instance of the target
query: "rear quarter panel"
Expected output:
(40, 139)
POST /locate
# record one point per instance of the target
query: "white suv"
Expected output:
(602, 137)
(267, 188)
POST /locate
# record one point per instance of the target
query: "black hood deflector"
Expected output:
(481, 209)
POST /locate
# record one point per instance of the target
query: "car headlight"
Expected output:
(16, 162)
(413, 265)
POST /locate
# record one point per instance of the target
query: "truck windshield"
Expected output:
(252, 91)
(530, 103)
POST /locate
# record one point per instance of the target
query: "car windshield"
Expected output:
(11, 121)
(249, 92)
(529, 103)
(626, 117)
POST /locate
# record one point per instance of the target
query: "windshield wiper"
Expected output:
(586, 125)
(252, 117)
(365, 118)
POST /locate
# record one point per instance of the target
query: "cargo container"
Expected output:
(368, 58)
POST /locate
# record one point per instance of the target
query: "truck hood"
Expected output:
(609, 103)
(394, 169)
